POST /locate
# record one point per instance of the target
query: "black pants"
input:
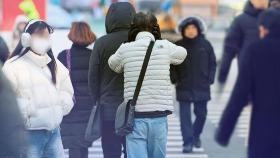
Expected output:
(192, 130)
(113, 146)
(78, 153)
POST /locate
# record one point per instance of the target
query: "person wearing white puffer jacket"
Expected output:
(43, 88)
(155, 100)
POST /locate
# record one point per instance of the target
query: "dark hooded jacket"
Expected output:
(195, 75)
(259, 78)
(107, 86)
(243, 32)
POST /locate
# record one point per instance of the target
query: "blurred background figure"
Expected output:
(193, 79)
(168, 24)
(168, 28)
(4, 50)
(18, 29)
(242, 33)
(259, 79)
(12, 136)
(275, 4)
(76, 59)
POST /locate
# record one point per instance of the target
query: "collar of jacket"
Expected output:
(74, 45)
(41, 61)
(145, 35)
(191, 41)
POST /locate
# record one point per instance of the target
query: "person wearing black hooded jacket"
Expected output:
(242, 33)
(107, 86)
(193, 79)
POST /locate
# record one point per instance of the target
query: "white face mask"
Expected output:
(40, 46)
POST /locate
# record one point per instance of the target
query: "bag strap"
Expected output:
(142, 73)
(68, 59)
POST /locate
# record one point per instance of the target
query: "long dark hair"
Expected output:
(144, 22)
(21, 51)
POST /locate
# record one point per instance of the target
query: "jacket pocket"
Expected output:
(43, 120)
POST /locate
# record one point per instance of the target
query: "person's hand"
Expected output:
(220, 89)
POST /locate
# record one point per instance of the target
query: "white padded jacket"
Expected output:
(42, 103)
(156, 91)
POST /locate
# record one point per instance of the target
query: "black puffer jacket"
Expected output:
(106, 85)
(195, 75)
(73, 125)
(243, 32)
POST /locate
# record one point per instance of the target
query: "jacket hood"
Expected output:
(251, 10)
(198, 22)
(119, 17)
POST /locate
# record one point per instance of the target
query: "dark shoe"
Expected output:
(197, 143)
(188, 148)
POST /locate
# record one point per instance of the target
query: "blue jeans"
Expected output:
(149, 138)
(191, 130)
(44, 144)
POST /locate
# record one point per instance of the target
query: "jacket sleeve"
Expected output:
(174, 74)
(115, 61)
(177, 54)
(212, 64)
(66, 91)
(238, 100)
(94, 71)
(232, 46)
(26, 105)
